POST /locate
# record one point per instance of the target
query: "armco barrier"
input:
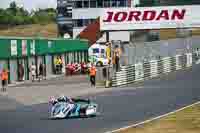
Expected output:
(153, 68)
(196, 56)
(173, 64)
(147, 70)
(166, 62)
(139, 72)
(102, 75)
(178, 62)
(189, 60)
(143, 71)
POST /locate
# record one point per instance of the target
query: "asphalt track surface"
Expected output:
(58, 81)
(125, 106)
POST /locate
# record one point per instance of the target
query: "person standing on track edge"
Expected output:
(92, 71)
(4, 79)
(117, 54)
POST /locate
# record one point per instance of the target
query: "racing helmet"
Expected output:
(62, 98)
(65, 98)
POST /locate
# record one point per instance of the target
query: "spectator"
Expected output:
(44, 72)
(108, 52)
(117, 53)
(4, 79)
(33, 72)
(57, 65)
(60, 62)
(21, 72)
(93, 75)
(40, 72)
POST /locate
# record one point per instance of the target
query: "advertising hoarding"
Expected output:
(149, 18)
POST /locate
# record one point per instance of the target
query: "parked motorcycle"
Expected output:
(84, 68)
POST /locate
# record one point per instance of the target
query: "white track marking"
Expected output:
(147, 121)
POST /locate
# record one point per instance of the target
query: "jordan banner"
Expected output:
(149, 18)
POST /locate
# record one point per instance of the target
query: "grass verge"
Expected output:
(185, 121)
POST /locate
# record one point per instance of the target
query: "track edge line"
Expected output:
(158, 117)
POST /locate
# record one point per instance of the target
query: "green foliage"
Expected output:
(43, 16)
(15, 15)
(13, 5)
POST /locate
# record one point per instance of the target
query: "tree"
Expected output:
(15, 15)
(23, 11)
(44, 16)
(13, 7)
(6, 17)
(18, 20)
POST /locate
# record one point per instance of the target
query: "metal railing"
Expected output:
(154, 68)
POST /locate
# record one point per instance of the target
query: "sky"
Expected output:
(30, 4)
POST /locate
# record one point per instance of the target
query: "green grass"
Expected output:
(185, 121)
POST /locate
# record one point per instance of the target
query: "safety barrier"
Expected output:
(196, 56)
(146, 70)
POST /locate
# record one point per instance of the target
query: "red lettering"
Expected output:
(149, 15)
(120, 16)
(164, 14)
(135, 15)
(109, 18)
(178, 15)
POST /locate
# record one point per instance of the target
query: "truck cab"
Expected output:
(97, 55)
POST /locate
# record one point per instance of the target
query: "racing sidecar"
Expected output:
(80, 109)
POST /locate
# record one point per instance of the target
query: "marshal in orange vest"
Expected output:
(92, 71)
(4, 75)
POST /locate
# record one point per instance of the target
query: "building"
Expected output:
(64, 17)
(22, 52)
(84, 12)
(179, 2)
(79, 17)
(146, 3)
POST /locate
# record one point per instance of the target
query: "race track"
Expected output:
(119, 108)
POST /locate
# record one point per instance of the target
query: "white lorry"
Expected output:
(97, 55)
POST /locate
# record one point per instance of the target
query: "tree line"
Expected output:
(15, 15)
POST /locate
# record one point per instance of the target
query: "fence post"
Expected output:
(108, 81)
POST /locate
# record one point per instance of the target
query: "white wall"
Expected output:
(120, 35)
(93, 13)
(86, 13)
